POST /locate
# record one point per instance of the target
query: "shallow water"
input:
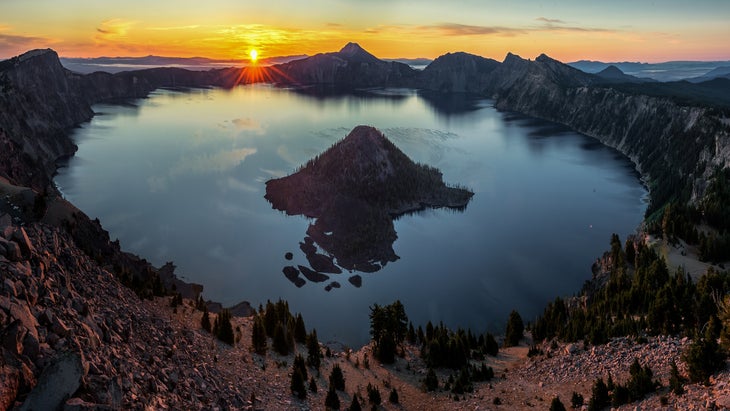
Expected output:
(180, 177)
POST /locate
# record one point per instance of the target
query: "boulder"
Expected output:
(57, 383)
(9, 386)
(12, 251)
(12, 337)
(21, 313)
(6, 225)
(21, 237)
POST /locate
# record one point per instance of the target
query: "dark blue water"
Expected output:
(180, 177)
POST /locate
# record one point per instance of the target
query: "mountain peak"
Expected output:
(512, 58)
(353, 51)
(544, 58)
(611, 71)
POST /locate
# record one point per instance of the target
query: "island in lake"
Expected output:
(354, 190)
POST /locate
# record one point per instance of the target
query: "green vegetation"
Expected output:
(314, 354)
(332, 401)
(205, 320)
(515, 328)
(258, 336)
(299, 377)
(576, 400)
(431, 382)
(393, 397)
(556, 405)
(337, 379)
(222, 327)
(638, 295)
(388, 328)
(712, 213)
(374, 395)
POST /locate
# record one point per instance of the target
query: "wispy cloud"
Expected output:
(219, 162)
(113, 30)
(550, 21)
(189, 27)
(455, 29)
(12, 44)
(248, 124)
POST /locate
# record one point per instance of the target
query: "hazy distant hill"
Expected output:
(668, 71)
(119, 64)
(720, 72)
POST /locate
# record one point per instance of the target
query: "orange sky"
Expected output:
(568, 30)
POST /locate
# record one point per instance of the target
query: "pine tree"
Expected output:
(675, 380)
(599, 396)
(355, 404)
(205, 321)
(300, 331)
(431, 382)
(515, 328)
(258, 335)
(314, 354)
(557, 405)
(312, 384)
(393, 397)
(337, 379)
(297, 384)
(223, 327)
(491, 346)
(299, 365)
(281, 345)
(332, 401)
(374, 395)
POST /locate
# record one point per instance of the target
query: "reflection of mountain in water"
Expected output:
(354, 190)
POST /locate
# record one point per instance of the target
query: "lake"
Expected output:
(180, 176)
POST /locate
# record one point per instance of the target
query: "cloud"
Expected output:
(189, 27)
(113, 30)
(202, 164)
(248, 124)
(234, 184)
(548, 25)
(14, 44)
(455, 29)
(550, 21)
(215, 163)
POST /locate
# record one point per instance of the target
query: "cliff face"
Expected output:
(675, 147)
(458, 72)
(39, 101)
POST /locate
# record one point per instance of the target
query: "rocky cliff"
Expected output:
(675, 146)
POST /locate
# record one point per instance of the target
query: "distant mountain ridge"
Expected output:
(643, 120)
(666, 71)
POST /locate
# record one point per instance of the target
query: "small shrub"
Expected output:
(557, 405)
(393, 397)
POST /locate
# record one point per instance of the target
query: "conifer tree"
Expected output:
(205, 321)
(332, 401)
(515, 328)
(258, 335)
(337, 379)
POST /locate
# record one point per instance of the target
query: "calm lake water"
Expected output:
(180, 177)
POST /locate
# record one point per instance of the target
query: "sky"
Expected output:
(608, 30)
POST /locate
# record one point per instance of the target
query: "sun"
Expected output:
(254, 55)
